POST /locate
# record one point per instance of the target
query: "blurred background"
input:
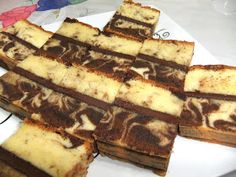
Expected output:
(211, 22)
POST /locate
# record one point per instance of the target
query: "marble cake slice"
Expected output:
(20, 95)
(41, 151)
(112, 54)
(24, 97)
(164, 61)
(19, 41)
(141, 126)
(70, 42)
(79, 82)
(209, 113)
(134, 20)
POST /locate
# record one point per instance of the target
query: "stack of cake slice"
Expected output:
(210, 109)
(42, 151)
(164, 61)
(134, 20)
(19, 41)
(140, 128)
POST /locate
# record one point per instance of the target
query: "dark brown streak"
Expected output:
(146, 111)
(163, 62)
(211, 96)
(15, 38)
(116, 16)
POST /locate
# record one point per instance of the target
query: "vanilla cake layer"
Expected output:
(24, 97)
(153, 96)
(134, 20)
(211, 79)
(164, 61)
(38, 150)
(29, 32)
(91, 83)
(43, 67)
(13, 50)
(209, 120)
(118, 43)
(142, 140)
(79, 31)
(179, 52)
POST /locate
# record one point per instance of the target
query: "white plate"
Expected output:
(190, 158)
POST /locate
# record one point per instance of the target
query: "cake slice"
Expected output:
(13, 50)
(21, 95)
(24, 97)
(134, 20)
(142, 124)
(29, 32)
(70, 42)
(19, 41)
(209, 112)
(164, 61)
(39, 150)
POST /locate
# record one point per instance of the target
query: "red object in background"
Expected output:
(10, 17)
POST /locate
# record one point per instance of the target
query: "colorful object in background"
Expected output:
(10, 17)
(55, 4)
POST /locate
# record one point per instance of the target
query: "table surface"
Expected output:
(215, 31)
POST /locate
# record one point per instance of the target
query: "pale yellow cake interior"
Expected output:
(221, 81)
(139, 13)
(30, 33)
(44, 67)
(118, 44)
(90, 83)
(178, 52)
(78, 31)
(49, 151)
(147, 95)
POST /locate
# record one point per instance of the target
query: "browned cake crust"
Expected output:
(8, 171)
(212, 67)
(205, 134)
(159, 165)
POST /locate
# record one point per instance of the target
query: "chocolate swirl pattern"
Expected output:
(13, 49)
(128, 27)
(77, 118)
(209, 113)
(22, 92)
(65, 51)
(113, 65)
(138, 132)
(158, 72)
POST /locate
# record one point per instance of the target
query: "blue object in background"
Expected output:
(55, 4)
(51, 4)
